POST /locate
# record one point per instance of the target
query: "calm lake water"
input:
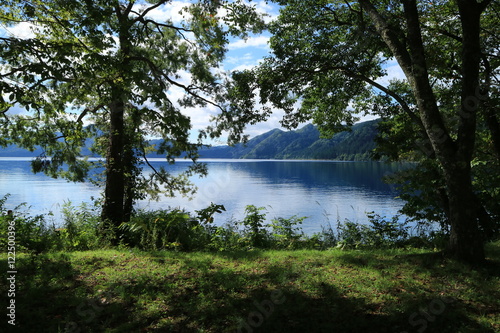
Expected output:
(324, 191)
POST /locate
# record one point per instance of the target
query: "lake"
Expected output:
(323, 191)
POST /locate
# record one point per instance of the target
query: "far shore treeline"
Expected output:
(354, 144)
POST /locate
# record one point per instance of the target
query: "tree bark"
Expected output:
(466, 240)
(113, 211)
(454, 156)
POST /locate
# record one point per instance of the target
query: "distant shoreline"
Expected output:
(201, 159)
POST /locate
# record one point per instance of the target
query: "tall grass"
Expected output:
(176, 229)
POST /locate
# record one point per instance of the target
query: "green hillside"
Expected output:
(304, 143)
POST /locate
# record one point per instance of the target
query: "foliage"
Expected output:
(36, 234)
(206, 215)
(423, 187)
(254, 226)
(328, 63)
(287, 231)
(226, 238)
(178, 230)
(81, 229)
(116, 73)
(27, 233)
(174, 229)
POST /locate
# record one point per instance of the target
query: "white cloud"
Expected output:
(232, 60)
(22, 30)
(246, 63)
(255, 41)
(272, 123)
(394, 71)
(265, 8)
(243, 67)
(167, 12)
(243, 54)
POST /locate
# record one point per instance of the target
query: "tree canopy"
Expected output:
(328, 63)
(117, 72)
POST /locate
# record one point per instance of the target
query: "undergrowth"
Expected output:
(176, 229)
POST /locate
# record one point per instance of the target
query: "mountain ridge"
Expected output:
(304, 143)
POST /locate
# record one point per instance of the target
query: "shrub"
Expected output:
(379, 233)
(80, 230)
(178, 230)
(227, 237)
(387, 232)
(352, 235)
(254, 230)
(29, 233)
(325, 239)
(163, 229)
(286, 232)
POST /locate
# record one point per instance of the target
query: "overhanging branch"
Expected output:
(159, 73)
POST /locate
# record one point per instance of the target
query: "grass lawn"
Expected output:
(256, 291)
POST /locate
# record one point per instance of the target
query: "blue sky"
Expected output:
(246, 54)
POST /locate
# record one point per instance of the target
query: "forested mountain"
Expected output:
(15, 151)
(304, 143)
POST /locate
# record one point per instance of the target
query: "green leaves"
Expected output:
(82, 58)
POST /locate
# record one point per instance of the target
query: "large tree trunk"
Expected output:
(112, 210)
(454, 156)
(466, 240)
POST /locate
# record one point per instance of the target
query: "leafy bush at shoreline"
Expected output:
(176, 229)
(30, 233)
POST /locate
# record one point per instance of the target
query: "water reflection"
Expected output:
(320, 175)
(323, 191)
(43, 194)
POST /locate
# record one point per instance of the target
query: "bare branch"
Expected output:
(158, 174)
(444, 33)
(158, 26)
(147, 10)
(387, 91)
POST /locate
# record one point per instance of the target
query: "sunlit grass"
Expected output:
(256, 291)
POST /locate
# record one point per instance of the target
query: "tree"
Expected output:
(328, 57)
(105, 70)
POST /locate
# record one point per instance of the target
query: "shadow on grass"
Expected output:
(427, 261)
(49, 296)
(453, 295)
(211, 300)
(200, 296)
(231, 255)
